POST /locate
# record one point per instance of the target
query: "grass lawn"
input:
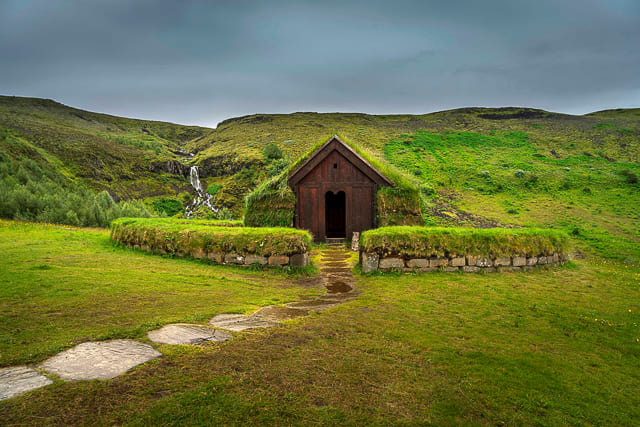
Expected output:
(557, 346)
(60, 286)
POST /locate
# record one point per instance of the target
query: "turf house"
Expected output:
(334, 190)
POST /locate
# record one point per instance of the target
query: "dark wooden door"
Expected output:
(335, 174)
(335, 214)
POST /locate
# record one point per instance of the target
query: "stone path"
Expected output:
(186, 334)
(108, 359)
(99, 360)
(18, 380)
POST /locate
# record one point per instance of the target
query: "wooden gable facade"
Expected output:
(335, 191)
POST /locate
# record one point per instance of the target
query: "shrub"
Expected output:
(272, 152)
(213, 189)
(185, 237)
(419, 242)
(168, 206)
(630, 177)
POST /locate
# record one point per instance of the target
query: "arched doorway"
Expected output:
(335, 214)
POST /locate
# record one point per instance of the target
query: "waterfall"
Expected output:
(195, 179)
(202, 198)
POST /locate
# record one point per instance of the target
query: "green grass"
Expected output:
(550, 347)
(420, 242)
(60, 286)
(188, 237)
(507, 178)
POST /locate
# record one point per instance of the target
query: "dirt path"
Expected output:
(108, 359)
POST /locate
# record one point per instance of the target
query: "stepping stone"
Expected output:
(99, 360)
(20, 379)
(240, 322)
(277, 313)
(182, 333)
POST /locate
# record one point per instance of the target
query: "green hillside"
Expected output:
(478, 166)
(130, 158)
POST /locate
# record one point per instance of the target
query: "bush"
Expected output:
(185, 237)
(168, 206)
(272, 152)
(213, 189)
(421, 242)
(630, 177)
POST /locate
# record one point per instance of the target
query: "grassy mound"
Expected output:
(272, 204)
(184, 237)
(420, 242)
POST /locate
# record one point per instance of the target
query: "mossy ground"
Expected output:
(554, 346)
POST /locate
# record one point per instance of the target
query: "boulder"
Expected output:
(369, 262)
(278, 260)
(438, 262)
(502, 261)
(217, 257)
(391, 263)
(472, 259)
(418, 263)
(299, 260)
(233, 259)
(518, 261)
(457, 262)
(255, 259)
(484, 262)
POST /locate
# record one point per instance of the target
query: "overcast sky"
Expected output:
(199, 62)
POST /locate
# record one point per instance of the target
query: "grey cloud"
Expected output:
(201, 62)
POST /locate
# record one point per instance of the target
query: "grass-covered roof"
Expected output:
(272, 203)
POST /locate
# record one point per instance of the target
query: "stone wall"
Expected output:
(241, 260)
(467, 264)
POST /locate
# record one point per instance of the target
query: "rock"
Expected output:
(186, 334)
(438, 262)
(418, 263)
(518, 261)
(450, 269)
(457, 262)
(99, 360)
(391, 263)
(472, 260)
(198, 253)
(542, 260)
(484, 262)
(502, 261)
(532, 260)
(255, 259)
(355, 241)
(299, 260)
(470, 269)
(216, 257)
(369, 262)
(233, 259)
(278, 260)
(20, 379)
(240, 322)
(555, 258)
